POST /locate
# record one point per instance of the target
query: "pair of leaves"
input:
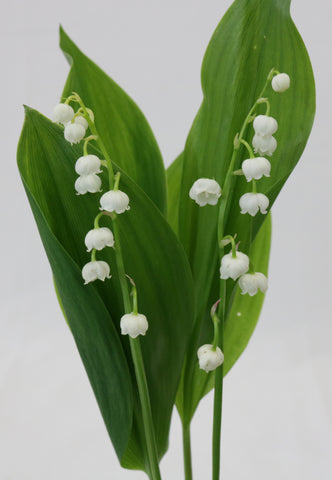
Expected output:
(252, 38)
(153, 257)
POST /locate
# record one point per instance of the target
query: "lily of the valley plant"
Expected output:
(161, 274)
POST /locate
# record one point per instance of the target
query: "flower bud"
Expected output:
(62, 113)
(209, 359)
(94, 270)
(265, 125)
(115, 201)
(234, 267)
(264, 145)
(251, 282)
(205, 191)
(74, 133)
(88, 183)
(280, 82)
(252, 202)
(133, 324)
(88, 164)
(255, 168)
(99, 238)
(80, 120)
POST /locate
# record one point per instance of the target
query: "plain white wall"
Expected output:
(278, 398)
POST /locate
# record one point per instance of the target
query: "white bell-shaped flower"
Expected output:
(265, 125)
(205, 191)
(133, 324)
(234, 267)
(88, 164)
(208, 358)
(88, 184)
(255, 168)
(115, 201)
(74, 133)
(251, 282)
(80, 120)
(99, 238)
(62, 113)
(264, 145)
(252, 202)
(280, 82)
(95, 270)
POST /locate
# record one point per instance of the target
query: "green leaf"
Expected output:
(120, 123)
(153, 257)
(252, 38)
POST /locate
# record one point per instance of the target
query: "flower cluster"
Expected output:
(75, 124)
(87, 167)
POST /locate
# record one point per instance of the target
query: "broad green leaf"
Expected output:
(153, 257)
(120, 123)
(174, 176)
(252, 38)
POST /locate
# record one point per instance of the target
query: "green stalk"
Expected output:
(223, 212)
(187, 451)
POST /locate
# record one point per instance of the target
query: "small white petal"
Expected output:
(95, 270)
(280, 82)
(87, 184)
(264, 145)
(265, 125)
(255, 168)
(209, 359)
(88, 164)
(252, 202)
(234, 267)
(74, 133)
(62, 113)
(115, 201)
(134, 325)
(252, 282)
(79, 120)
(99, 238)
(205, 191)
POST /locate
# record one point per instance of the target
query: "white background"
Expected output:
(278, 398)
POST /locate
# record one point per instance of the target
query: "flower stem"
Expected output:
(187, 451)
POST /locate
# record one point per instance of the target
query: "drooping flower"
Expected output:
(205, 191)
(74, 133)
(264, 145)
(87, 184)
(255, 168)
(88, 164)
(252, 202)
(265, 125)
(95, 270)
(81, 120)
(280, 82)
(63, 113)
(115, 201)
(251, 282)
(99, 238)
(133, 324)
(208, 358)
(234, 267)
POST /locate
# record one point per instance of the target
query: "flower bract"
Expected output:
(252, 282)
(255, 168)
(265, 125)
(63, 113)
(115, 201)
(208, 358)
(88, 164)
(264, 145)
(134, 324)
(280, 82)
(95, 270)
(99, 238)
(74, 133)
(252, 202)
(87, 184)
(205, 191)
(234, 267)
